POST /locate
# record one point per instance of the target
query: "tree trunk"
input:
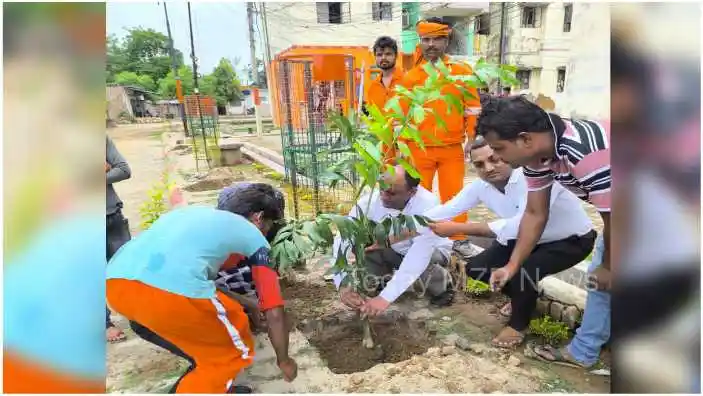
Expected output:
(368, 339)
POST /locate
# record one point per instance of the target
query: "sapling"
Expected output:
(359, 150)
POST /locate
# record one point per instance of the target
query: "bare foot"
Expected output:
(508, 338)
(115, 335)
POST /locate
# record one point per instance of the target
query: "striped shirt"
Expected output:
(581, 164)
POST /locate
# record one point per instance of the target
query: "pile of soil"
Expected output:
(338, 336)
(209, 184)
(340, 344)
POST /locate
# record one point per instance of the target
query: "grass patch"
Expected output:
(553, 332)
(477, 288)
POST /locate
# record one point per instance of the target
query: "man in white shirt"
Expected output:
(568, 237)
(424, 257)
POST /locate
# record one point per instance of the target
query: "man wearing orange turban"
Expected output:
(443, 152)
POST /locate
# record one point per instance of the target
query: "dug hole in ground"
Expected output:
(419, 348)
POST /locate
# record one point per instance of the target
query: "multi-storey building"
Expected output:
(561, 51)
(330, 23)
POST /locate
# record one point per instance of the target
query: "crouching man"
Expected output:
(423, 257)
(163, 282)
(567, 239)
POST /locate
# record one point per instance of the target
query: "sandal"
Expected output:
(506, 310)
(560, 356)
(117, 335)
(510, 341)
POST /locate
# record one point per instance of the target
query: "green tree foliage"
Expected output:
(141, 58)
(130, 78)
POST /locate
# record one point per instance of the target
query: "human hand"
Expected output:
(501, 276)
(445, 228)
(601, 277)
(107, 167)
(375, 306)
(289, 368)
(350, 298)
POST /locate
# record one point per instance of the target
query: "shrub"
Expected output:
(551, 331)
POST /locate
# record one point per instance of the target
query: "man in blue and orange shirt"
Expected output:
(164, 281)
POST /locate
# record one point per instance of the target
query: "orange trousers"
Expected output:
(214, 332)
(21, 375)
(448, 163)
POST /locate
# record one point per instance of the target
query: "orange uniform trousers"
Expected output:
(448, 162)
(214, 332)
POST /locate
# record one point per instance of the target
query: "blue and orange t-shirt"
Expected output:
(183, 251)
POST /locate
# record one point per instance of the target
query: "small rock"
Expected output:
(543, 306)
(446, 318)
(555, 310)
(514, 361)
(450, 339)
(432, 352)
(462, 343)
(420, 314)
(436, 373)
(392, 370)
(394, 389)
(478, 349)
(571, 316)
(454, 387)
(448, 350)
(356, 379)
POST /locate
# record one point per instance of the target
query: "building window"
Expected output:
(524, 77)
(530, 17)
(482, 24)
(382, 11)
(561, 78)
(335, 13)
(568, 13)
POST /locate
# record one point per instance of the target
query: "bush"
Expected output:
(157, 204)
(476, 287)
(552, 331)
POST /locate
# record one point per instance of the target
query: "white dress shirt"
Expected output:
(417, 251)
(567, 216)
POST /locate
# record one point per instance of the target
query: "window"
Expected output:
(561, 78)
(568, 13)
(482, 24)
(530, 17)
(382, 11)
(524, 77)
(335, 13)
(405, 14)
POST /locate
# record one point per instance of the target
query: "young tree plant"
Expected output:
(360, 151)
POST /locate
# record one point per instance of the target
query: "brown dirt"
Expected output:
(209, 184)
(340, 345)
(338, 336)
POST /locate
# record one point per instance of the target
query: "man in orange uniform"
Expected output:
(385, 49)
(443, 152)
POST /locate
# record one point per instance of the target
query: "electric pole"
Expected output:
(501, 44)
(254, 68)
(174, 64)
(195, 87)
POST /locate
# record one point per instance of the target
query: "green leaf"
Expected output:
(409, 168)
(404, 149)
(418, 114)
(422, 220)
(410, 223)
(373, 149)
(393, 105)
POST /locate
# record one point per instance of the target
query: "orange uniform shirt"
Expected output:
(378, 94)
(459, 125)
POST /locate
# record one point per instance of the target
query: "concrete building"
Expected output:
(561, 50)
(459, 14)
(330, 23)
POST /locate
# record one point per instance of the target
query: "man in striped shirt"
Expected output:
(576, 154)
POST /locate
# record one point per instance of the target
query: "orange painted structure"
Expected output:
(324, 55)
